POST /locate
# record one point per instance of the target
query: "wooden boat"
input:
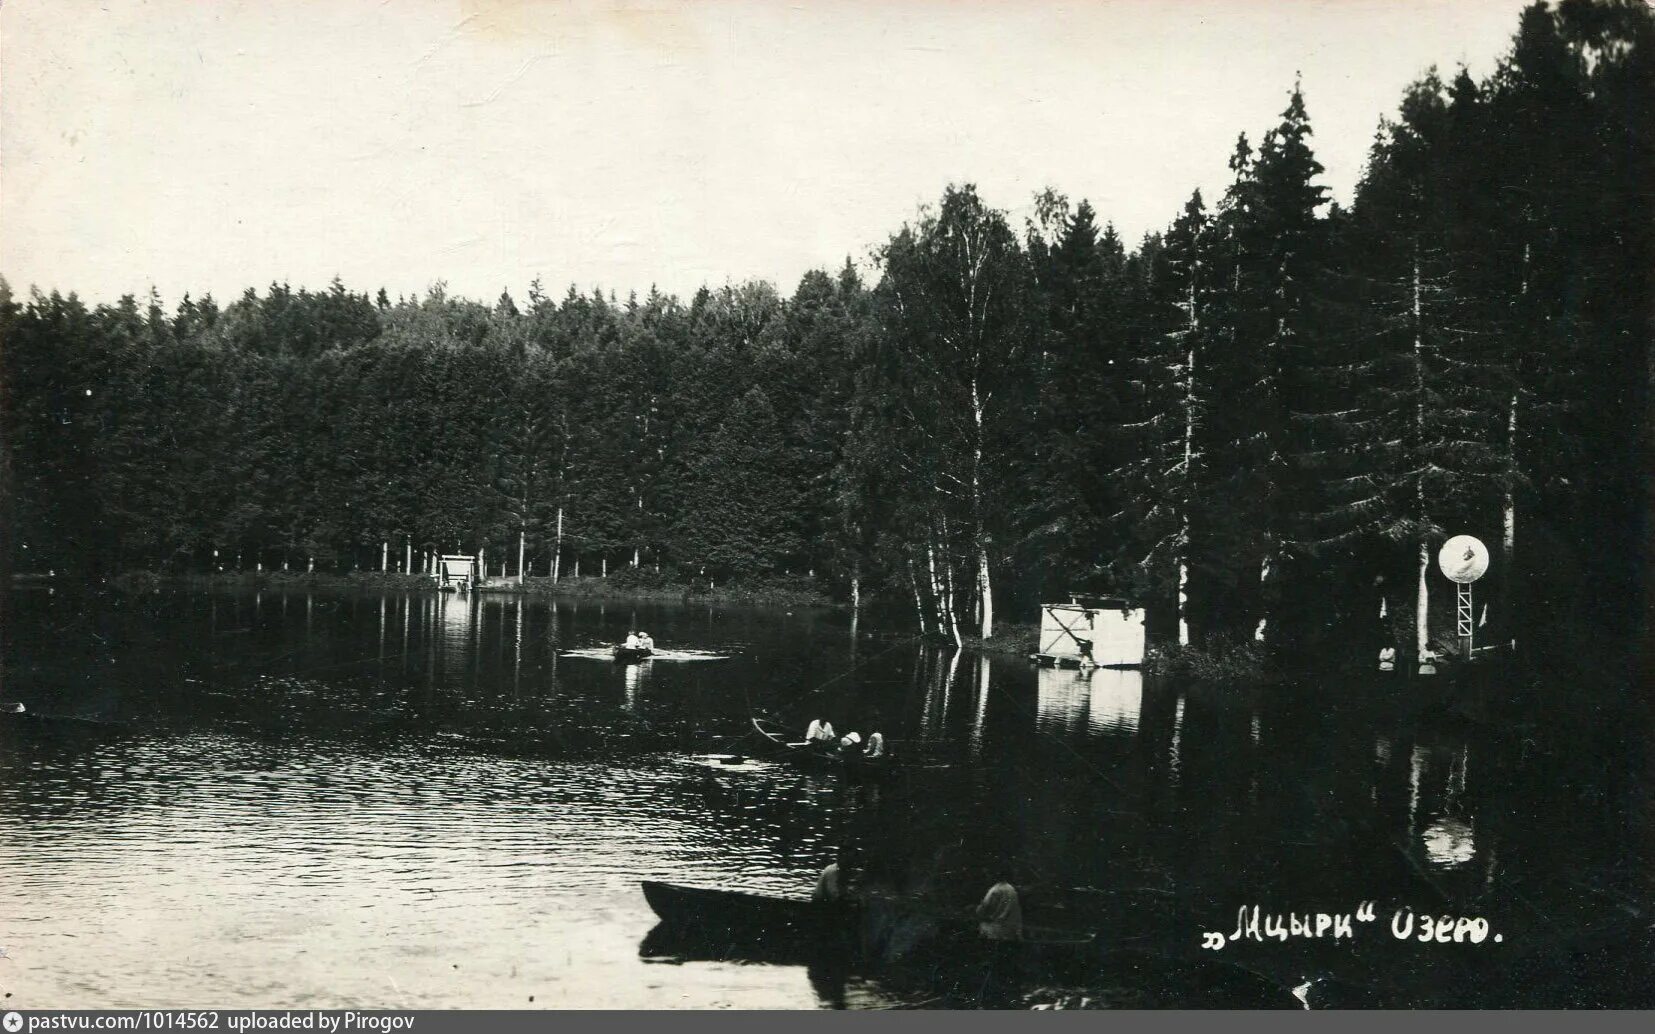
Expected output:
(806, 756)
(732, 913)
(890, 937)
(632, 654)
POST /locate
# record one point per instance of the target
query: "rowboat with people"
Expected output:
(639, 646)
(821, 757)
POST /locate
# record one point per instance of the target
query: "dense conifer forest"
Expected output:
(1261, 422)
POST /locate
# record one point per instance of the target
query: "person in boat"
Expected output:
(829, 889)
(851, 744)
(1000, 915)
(820, 733)
(646, 642)
(875, 747)
(632, 642)
(1000, 923)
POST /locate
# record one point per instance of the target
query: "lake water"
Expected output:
(271, 799)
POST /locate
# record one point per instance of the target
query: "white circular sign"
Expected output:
(1463, 559)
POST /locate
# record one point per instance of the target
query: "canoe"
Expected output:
(728, 912)
(805, 756)
(888, 937)
(632, 654)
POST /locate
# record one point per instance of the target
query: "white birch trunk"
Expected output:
(937, 601)
(384, 556)
(985, 588)
(408, 556)
(919, 603)
(949, 606)
(1184, 594)
(1422, 605)
(1189, 467)
(1422, 602)
(985, 591)
(557, 548)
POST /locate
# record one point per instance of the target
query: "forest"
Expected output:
(1260, 423)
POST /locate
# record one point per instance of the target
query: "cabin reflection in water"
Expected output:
(1095, 702)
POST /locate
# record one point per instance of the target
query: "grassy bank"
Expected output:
(1011, 640)
(643, 585)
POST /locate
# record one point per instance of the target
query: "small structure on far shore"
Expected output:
(1091, 632)
(457, 572)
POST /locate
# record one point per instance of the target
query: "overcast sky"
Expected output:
(200, 146)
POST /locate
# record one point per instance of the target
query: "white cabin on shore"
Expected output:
(459, 572)
(1094, 633)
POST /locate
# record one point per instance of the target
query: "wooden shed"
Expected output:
(458, 572)
(1094, 632)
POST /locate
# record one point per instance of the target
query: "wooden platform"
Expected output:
(1047, 660)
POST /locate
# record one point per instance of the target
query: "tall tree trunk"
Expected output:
(985, 592)
(385, 556)
(938, 604)
(919, 602)
(1422, 605)
(407, 556)
(557, 548)
(1184, 586)
(985, 588)
(1262, 633)
(950, 605)
(522, 547)
(1193, 326)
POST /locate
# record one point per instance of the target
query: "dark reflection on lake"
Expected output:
(290, 799)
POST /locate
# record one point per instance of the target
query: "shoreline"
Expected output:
(791, 592)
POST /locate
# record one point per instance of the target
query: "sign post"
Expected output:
(1463, 559)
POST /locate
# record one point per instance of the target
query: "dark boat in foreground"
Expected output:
(903, 944)
(632, 654)
(715, 913)
(893, 938)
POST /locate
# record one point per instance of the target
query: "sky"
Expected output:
(196, 146)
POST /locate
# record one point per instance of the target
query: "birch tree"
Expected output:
(954, 303)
